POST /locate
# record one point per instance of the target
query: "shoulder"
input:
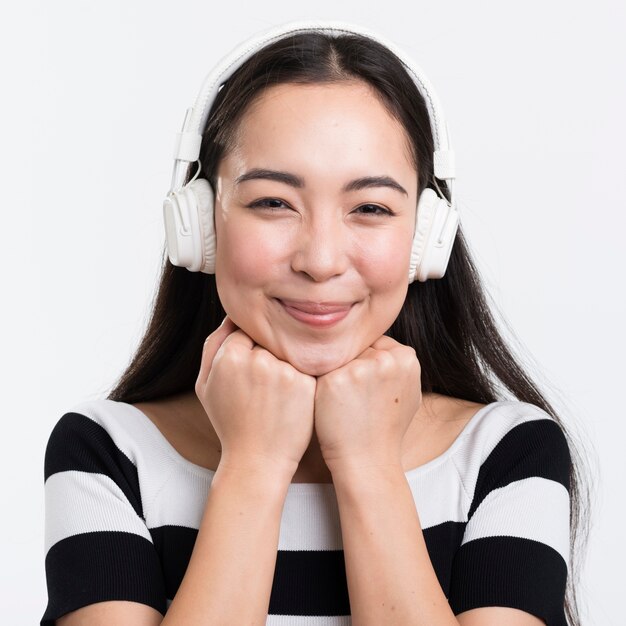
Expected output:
(96, 429)
(519, 446)
(106, 442)
(511, 428)
(95, 440)
(507, 442)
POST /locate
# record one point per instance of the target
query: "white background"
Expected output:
(93, 93)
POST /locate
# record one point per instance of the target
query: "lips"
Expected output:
(318, 314)
(317, 308)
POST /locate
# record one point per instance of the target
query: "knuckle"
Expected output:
(261, 360)
(359, 372)
(386, 362)
(410, 350)
(288, 374)
(287, 369)
(231, 354)
(407, 355)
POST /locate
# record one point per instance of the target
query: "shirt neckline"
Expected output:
(314, 487)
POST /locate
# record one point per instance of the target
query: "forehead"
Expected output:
(333, 120)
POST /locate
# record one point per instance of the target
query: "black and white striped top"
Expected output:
(123, 509)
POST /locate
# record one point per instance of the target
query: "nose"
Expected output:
(321, 249)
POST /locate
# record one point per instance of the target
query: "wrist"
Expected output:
(361, 482)
(259, 469)
(355, 468)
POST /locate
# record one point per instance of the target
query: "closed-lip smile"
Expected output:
(317, 308)
(318, 314)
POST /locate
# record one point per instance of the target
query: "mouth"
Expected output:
(317, 314)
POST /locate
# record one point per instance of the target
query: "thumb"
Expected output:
(212, 345)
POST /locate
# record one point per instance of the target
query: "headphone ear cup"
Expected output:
(429, 258)
(189, 229)
(205, 207)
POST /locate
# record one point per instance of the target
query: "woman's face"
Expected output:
(315, 204)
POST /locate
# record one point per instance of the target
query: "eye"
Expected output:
(267, 203)
(375, 210)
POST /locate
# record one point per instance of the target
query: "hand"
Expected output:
(261, 407)
(363, 409)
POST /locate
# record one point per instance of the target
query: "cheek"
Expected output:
(247, 257)
(384, 261)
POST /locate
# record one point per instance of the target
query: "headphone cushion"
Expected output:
(205, 203)
(426, 208)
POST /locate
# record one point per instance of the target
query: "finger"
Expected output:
(240, 338)
(382, 343)
(212, 344)
(368, 353)
(382, 358)
(385, 343)
(399, 351)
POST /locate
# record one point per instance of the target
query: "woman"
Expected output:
(337, 446)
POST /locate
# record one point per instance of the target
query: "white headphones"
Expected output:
(188, 209)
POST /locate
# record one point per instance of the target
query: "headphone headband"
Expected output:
(188, 209)
(188, 141)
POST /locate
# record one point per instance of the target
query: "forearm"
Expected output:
(230, 573)
(391, 579)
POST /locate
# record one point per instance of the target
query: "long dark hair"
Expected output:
(447, 321)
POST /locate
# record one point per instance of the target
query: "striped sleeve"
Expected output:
(97, 544)
(515, 547)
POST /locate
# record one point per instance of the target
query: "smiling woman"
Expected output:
(299, 415)
(303, 237)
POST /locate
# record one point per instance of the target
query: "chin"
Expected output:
(317, 364)
(314, 369)
(312, 358)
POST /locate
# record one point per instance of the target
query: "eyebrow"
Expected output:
(364, 182)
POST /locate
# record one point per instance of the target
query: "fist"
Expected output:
(261, 407)
(363, 409)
